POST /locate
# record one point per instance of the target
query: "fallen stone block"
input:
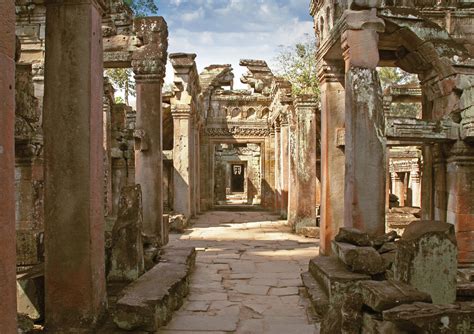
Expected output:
(374, 324)
(331, 273)
(433, 319)
(427, 259)
(384, 295)
(148, 303)
(364, 260)
(178, 223)
(353, 236)
(30, 292)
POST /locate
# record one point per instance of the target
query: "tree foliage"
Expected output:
(297, 64)
(122, 78)
(395, 76)
(143, 7)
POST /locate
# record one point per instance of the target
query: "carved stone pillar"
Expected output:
(284, 165)
(206, 176)
(277, 168)
(365, 144)
(440, 186)
(307, 180)
(293, 192)
(182, 160)
(398, 188)
(460, 201)
(331, 76)
(197, 171)
(148, 64)
(7, 167)
(74, 211)
(415, 188)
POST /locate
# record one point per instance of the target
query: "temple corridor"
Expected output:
(247, 276)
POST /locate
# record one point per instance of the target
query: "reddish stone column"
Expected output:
(306, 109)
(284, 165)
(365, 144)
(332, 156)
(277, 168)
(73, 137)
(293, 192)
(460, 199)
(7, 169)
(149, 67)
(427, 184)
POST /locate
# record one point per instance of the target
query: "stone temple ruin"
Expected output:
(91, 188)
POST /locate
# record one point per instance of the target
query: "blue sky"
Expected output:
(224, 31)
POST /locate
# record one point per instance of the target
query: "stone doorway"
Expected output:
(237, 178)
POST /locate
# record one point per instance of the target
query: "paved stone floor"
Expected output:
(247, 276)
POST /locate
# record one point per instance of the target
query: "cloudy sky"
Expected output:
(224, 31)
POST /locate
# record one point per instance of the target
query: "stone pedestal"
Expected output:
(365, 144)
(332, 156)
(74, 210)
(284, 167)
(7, 166)
(182, 161)
(148, 64)
(306, 109)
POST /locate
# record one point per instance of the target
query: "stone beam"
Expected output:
(408, 129)
(7, 169)
(74, 209)
(149, 63)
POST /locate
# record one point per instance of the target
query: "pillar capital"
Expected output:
(181, 111)
(149, 60)
(306, 103)
(331, 71)
(360, 38)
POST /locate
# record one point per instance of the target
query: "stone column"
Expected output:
(277, 168)
(73, 137)
(306, 109)
(197, 173)
(182, 160)
(415, 188)
(398, 188)
(148, 64)
(7, 169)
(365, 144)
(268, 188)
(460, 199)
(205, 176)
(284, 165)
(332, 156)
(293, 192)
(440, 186)
(427, 184)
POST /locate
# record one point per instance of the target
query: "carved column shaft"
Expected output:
(415, 188)
(284, 166)
(148, 64)
(7, 165)
(277, 168)
(365, 144)
(74, 211)
(331, 77)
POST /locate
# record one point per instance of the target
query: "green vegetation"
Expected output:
(143, 7)
(122, 78)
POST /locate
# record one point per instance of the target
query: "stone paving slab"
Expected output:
(247, 276)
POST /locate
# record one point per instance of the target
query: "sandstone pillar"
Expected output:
(365, 144)
(332, 155)
(197, 173)
(460, 199)
(148, 64)
(398, 188)
(277, 168)
(7, 167)
(306, 109)
(74, 210)
(440, 186)
(182, 161)
(284, 165)
(427, 184)
(415, 188)
(205, 175)
(293, 192)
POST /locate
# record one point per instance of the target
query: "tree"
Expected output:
(142, 7)
(122, 78)
(395, 76)
(297, 64)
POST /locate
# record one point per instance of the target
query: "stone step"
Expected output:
(317, 295)
(149, 302)
(330, 271)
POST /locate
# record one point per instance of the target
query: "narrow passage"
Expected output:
(247, 276)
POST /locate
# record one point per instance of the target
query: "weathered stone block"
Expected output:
(353, 236)
(364, 260)
(178, 223)
(319, 298)
(383, 295)
(433, 319)
(373, 324)
(427, 259)
(127, 262)
(30, 292)
(29, 247)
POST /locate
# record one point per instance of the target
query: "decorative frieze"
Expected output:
(237, 131)
(421, 130)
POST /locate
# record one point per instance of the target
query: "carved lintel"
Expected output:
(237, 131)
(421, 130)
(142, 141)
(149, 60)
(467, 129)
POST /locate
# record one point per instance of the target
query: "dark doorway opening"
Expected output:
(237, 178)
